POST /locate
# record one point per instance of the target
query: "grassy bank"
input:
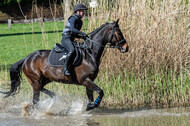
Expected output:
(22, 39)
(154, 73)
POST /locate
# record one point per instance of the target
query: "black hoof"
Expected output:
(90, 106)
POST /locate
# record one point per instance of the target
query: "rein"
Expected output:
(105, 46)
(109, 45)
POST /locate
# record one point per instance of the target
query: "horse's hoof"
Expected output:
(90, 106)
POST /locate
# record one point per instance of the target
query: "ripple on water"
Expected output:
(158, 112)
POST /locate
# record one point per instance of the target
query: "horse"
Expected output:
(39, 73)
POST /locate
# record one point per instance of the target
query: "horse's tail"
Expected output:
(15, 75)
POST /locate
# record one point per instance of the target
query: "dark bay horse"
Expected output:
(39, 73)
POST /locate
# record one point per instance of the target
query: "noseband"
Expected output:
(123, 41)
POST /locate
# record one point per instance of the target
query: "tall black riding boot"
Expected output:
(66, 65)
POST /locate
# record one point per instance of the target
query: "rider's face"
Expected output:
(81, 12)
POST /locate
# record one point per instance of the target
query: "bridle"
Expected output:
(123, 41)
(118, 45)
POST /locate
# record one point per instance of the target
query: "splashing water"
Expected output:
(55, 106)
(59, 106)
(17, 110)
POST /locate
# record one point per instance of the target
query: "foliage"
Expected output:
(8, 2)
(11, 2)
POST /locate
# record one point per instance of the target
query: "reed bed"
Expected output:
(156, 70)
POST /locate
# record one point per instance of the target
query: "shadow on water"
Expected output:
(28, 33)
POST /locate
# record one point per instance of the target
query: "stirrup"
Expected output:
(66, 72)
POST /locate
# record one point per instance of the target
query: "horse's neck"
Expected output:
(99, 44)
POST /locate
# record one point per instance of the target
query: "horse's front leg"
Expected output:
(89, 93)
(90, 87)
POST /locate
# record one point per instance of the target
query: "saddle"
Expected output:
(58, 55)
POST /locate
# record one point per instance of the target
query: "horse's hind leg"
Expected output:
(36, 95)
(50, 93)
(36, 89)
(46, 91)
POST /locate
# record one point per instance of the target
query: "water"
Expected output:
(66, 112)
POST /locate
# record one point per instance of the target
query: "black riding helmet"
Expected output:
(79, 6)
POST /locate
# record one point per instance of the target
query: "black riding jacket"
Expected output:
(73, 25)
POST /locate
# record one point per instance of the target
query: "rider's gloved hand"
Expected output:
(84, 36)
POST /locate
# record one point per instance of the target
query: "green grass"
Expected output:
(22, 39)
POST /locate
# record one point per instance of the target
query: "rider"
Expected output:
(72, 31)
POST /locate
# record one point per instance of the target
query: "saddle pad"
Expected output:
(56, 59)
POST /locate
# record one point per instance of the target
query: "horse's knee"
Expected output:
(100, 92)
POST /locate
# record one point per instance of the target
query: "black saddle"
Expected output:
(58, 55)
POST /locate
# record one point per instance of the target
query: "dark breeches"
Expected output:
(67, 43)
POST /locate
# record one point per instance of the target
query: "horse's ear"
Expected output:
(116, 23)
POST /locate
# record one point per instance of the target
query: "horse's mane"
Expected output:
(98, 29)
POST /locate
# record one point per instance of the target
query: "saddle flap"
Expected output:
(59, 53)
(59, 48)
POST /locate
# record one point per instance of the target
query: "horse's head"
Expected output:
(116, 38)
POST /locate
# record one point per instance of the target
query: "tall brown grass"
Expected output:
(158, 34)
(158, 61)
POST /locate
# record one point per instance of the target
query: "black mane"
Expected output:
(98, 29)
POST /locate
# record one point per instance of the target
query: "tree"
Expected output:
(11, 2)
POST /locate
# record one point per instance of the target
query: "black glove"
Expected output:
(84, 36)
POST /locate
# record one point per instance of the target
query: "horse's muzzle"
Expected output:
(125, 48)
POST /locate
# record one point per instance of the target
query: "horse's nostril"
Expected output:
(127, 49)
